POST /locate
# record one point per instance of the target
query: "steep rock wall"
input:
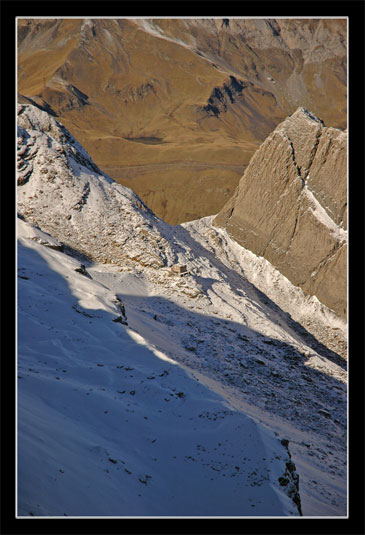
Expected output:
(291, 206)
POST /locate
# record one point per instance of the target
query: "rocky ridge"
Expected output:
(222, 321)
(60, 187)
(63, 192)
(291, 207)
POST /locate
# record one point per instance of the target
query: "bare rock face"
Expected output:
(291, 206)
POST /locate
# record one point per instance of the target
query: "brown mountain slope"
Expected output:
(291, 207)
(175, 108)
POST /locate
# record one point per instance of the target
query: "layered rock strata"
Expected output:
(291, 206)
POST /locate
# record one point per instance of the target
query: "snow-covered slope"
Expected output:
(109, 425)
(193, 396)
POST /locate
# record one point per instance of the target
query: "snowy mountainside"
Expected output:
(61, 189)
(109, 425)
(234, 325)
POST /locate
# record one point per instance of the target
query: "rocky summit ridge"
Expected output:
(62, 191)
(291, 206)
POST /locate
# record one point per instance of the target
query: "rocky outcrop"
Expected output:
(290, 479)
(291, 206)
(62, 191)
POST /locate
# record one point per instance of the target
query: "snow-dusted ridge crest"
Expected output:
(233, 327)
(66, 194)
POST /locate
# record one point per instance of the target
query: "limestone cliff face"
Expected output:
(291, 206)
